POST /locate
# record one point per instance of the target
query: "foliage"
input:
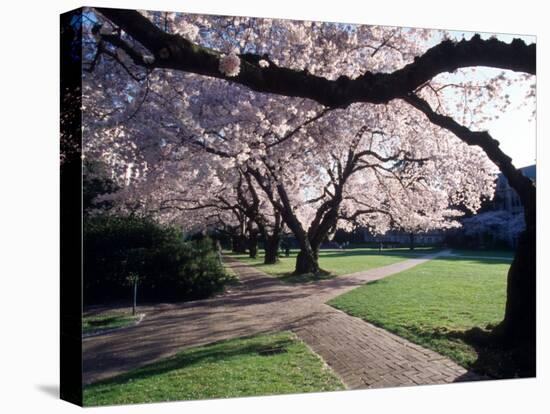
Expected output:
(494, 227)
(435, 304)
(168, 268)
(95, 183)
(234, 368)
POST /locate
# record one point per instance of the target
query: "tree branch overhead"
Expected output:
(175, 52)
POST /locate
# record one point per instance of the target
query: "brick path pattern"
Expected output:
(361, 354)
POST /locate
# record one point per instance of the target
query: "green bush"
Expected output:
(167, 267)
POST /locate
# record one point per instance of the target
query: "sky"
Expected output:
(517, 136)
(516, 128)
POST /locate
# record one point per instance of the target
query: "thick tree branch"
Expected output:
(175, 52)
(520, 183)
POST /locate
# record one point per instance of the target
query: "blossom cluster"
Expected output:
(185, 137)
(230, 65)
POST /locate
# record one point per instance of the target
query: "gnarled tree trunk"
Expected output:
(307, 262)
(238, 243)
(271, 247)
(252, 242)
(519, 324)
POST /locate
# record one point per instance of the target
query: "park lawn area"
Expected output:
(260, 365)
(233, 278)
(336, 262)
(435, 304)
(106, 321)
(505, 254)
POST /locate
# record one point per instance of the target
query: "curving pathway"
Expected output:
(362, 355)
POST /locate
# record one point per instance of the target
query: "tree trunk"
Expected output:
(411, 241)
(307, 262)
(518, 329)
(252, 242)
(238, 244)
(519, 324)
(271, 247)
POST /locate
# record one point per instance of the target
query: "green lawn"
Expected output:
(509, 254)
(105, 321)
(336, 262)
(435, 303)
(260, 365)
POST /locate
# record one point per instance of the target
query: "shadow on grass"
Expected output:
(211, 353)
(405, 254)
(335, 253)
(306, 277)
(480, 260)
(494, 358)
(104, 321)
(509, 253)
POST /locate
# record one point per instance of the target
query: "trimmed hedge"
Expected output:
(168, 268)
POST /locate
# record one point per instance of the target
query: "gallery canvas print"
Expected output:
(256, 206)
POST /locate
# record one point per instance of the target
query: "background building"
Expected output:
(505, 197)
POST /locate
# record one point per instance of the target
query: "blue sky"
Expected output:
(516, 128)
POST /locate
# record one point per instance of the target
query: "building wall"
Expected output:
(505, 197)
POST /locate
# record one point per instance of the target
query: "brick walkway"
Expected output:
(363, 355)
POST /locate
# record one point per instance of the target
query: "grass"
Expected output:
(231, 273)
(436, 304)
(334, 262)
(505, 254)
(106, 321)
(259, 365)
(233, 278)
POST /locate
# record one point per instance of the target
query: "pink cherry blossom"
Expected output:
(230, 65)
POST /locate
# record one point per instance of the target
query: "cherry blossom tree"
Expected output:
(236, 207)
(499, 225)
(282, 164)
(331, 67)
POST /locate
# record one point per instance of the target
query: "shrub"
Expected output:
(167, 267)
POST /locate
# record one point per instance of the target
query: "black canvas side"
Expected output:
(71, 207)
